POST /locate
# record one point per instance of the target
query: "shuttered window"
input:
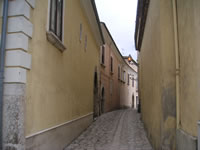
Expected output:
(119, 69)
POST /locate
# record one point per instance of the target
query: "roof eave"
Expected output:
(90, 9)
(142, 12)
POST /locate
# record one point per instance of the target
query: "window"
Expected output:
(124, 76)
(119, 69)
(102, 61)
(128, 82)
(55, 24)
(111, 64)
(56, 18)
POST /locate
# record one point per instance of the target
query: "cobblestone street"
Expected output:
(117, 130)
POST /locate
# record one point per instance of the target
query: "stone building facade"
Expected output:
(118, 78)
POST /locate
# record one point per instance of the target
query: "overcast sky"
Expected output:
(119, 16)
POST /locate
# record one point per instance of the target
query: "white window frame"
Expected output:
(51, 37)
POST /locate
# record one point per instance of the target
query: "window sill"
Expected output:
(53, 39)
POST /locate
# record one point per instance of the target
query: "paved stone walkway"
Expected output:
(117, 130)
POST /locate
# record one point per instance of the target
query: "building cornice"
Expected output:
(90, 10)
(142, 11)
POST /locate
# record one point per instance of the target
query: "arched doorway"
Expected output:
(102, 100)
(133, 102)
(95, 93)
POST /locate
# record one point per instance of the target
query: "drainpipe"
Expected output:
(174, 3)
(2, 64)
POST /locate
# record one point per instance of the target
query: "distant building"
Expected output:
(117, 77)
(133, 80)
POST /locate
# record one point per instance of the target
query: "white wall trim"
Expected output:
(20, 24)
(18, 58)
(20, 31)
(31, 3)
(17, 41)
(19, 7)
(15, 75)
(68, 122)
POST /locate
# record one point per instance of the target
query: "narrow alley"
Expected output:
(117, 130)
(99, 75)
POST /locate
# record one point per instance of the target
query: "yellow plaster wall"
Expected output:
(189, 35)
(157, 76)
(150, 81)
(60, 85)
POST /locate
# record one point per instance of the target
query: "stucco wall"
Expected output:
(115, 82)
(157, 76)
(118, 94)
(105, 80)
(110, 81)
(60, 85)
(189, 35)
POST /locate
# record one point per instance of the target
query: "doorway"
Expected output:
(133, 102)
(95, 95)
(102, 100)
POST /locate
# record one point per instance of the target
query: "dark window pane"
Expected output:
(56, 17)
(53, 16)
(103, 54)
(59, 19)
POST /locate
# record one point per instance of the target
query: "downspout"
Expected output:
(174, 3)
(2, 64)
